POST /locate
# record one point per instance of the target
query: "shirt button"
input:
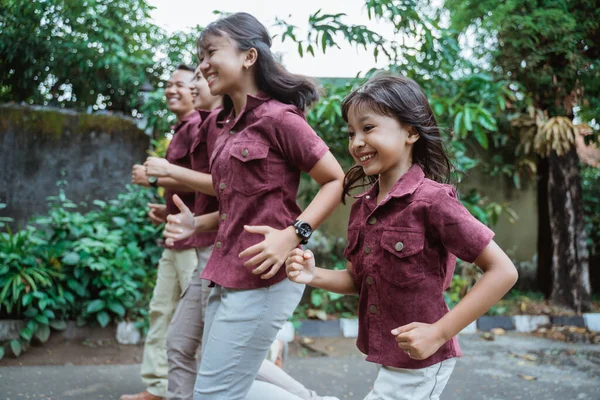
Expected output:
(367, 250)
(222, 186)
(373, 309)
(218, 245)
(223, 216)
(369, 280)
(245, 153)
(232, 132)
(367, 197)
(372, 221)
(399, 246)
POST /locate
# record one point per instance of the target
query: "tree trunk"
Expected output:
(570, 267)
(544, 243)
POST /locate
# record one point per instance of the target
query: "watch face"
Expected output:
(304, 230)
(152, 179)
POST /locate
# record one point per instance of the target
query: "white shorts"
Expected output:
(411, 384)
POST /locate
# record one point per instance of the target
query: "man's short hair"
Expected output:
(185, 67)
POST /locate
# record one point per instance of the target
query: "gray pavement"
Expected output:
(511, 367)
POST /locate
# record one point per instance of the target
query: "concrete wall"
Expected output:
(40, 146)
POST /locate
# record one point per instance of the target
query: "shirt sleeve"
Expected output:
(460, 232)
(298, 142)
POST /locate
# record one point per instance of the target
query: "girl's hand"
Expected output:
(158, 167)
(271, 252)
(138, 175)
(419, 340)
(300, 266)
(157, 213)
(179, 226)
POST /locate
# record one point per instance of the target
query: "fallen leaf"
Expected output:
(527, 377)
(498, 331)
(487, 336)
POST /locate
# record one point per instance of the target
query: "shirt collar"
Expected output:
(252, 102)
(406, 185)
(188, 118)
(409, 182)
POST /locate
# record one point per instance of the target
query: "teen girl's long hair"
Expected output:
(403, 99)
(271, 77)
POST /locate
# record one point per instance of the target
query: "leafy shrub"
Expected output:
(96, 266)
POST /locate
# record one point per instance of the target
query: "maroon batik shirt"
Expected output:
(204, 204)
(256, 161)
(179, 153)
(403, 252)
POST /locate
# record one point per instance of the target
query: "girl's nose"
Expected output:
(204, 65)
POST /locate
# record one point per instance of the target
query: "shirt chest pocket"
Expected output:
(249, 167)
(402, 260)
(177, 154)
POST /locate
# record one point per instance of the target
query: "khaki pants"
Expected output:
(174, 272)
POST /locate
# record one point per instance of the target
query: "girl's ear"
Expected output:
(413, 135)
(250, 58)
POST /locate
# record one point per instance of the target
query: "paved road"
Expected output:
(511, 367)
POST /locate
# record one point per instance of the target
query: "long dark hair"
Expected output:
(403, 99)
(271, 77)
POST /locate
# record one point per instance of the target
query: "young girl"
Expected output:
(404, 235)
(259, 143)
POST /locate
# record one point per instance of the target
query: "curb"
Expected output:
(520, 323)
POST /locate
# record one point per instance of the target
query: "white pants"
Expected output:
(412, 384)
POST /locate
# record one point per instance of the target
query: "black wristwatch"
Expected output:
(303, 230)
(153, 181)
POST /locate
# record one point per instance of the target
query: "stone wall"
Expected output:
(40, 146)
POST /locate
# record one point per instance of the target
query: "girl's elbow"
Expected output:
(512, 275)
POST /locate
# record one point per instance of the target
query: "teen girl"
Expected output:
(259, 143)
(185, 331)
(404, 235)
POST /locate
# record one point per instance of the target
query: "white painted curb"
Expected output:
(529, 323)
(592, 321)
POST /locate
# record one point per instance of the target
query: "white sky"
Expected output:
(174, 15)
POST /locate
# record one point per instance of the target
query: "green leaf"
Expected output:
(1, 352)
(316, 298)
(117, 308)
(96, 306)
(103, 318)
(120, 221)
(487, 123)
(71, 258)
(58, 325)
(458, 119)
(300, 50)
(43, 333)
(31, 312)
(26, 333)
(481, 137)
(16, 348)
(42, 319)
(467, 118)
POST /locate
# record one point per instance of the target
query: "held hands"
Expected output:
(157, 213)
(158, 167)
(138, 175)
(179, 226)
(300, 266)
(419, 340)
(271, 252)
